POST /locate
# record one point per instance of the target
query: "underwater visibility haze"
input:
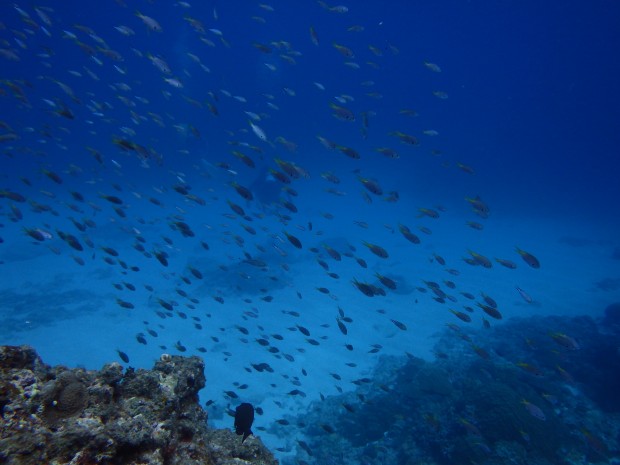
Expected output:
(393, 228)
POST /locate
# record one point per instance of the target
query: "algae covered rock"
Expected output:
(75, 416)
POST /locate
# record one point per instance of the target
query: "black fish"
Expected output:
(244, 417)
(124, 357)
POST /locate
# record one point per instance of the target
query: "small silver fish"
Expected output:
(258, 131)
(525, 295)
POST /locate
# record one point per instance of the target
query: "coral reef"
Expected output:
(612, 316)
(538, 391)
(75, 416)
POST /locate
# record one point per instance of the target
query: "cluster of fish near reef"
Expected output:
(60, 175)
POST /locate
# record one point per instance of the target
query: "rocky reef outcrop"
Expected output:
(57, 415)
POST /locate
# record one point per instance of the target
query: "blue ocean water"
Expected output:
(487, 126)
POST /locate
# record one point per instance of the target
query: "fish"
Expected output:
(151, 23)
(565, 341)
(344, 51)
(330, 177)
(125, 30)
(525, 295)
(242, 191)
(15, 196)
(339, 9)
(533, 369)
(405, 138)
(474, 225)
(123, 356)
(491, 311)
(71, 240)
(303, 330)
(488, 300)
(35, 233)
(387, 282)
(534, 410)
(462, 316)
(528, 258)
(328, 144)
(480, 259)
(388, 152)
(406, 232)
(53, 176)
(507, 263)
(478, 206)
(466, 168)
(342, 113)
(244, 158)
(332, 252)
(174, 82)
(314, 38)
(244, 417)
(341, 326)
(293, 240)
(258, 131)
(371, 185)
(595, 443)
(376, 249)
(480, 352)
(428, 212)
(125, 304)
(432, 66)
(161, 256)
(364, 288)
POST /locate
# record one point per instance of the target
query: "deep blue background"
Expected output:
(533, 96)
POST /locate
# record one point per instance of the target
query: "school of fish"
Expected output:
(87, 105)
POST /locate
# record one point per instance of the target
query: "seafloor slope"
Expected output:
(534, 391)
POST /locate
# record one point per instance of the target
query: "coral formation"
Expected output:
(532, 391)
(76, 416)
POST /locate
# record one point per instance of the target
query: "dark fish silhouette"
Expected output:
(244, 417)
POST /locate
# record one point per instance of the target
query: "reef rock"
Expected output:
(612, 315)
(76, 416)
